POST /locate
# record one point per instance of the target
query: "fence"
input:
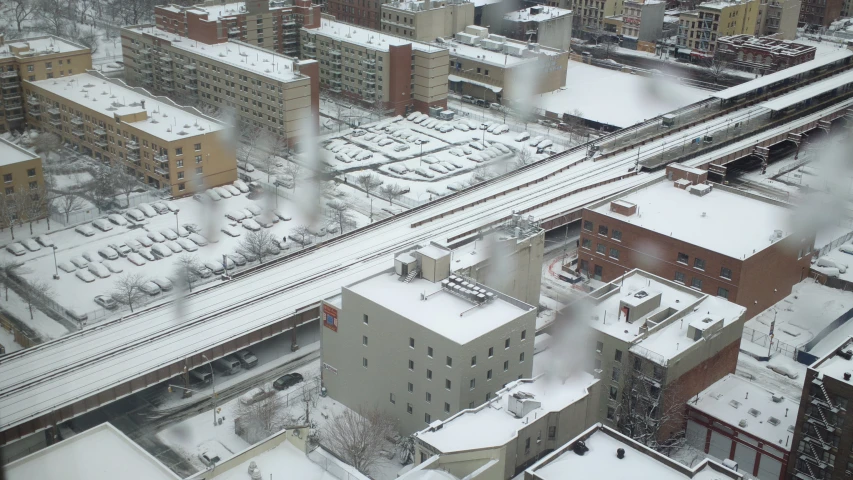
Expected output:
(24, 339)
(764, 340)
(333, 465)
(92, 213)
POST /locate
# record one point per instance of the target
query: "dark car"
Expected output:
(247, 358)
(287, 381)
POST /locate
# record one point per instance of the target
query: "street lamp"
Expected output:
(213, 386)
(176, 222)
(55, 267)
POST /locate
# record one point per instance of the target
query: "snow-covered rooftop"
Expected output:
(40, 46)
(722, 220)
(808, 92)
(164, 120)
(616, 98)
(241, 55)
(365, 37)
(441, 312)
(545, 13)
(663, 341)
(804, 316)
(100, 453)
(287, 461)
(493, 424)
(498, 58)
(11, 153)
(750, 408)
(834, 364)
(601, 462)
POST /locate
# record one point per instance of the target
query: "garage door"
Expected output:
(745, 458)
(721, 446)
(696, 435)
(769, 468)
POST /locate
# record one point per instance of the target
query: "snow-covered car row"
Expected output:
(32, 245)
(216, 194)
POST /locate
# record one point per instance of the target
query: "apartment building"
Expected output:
(21, 171)
(655, 344)
(820, 13)
(640, 24)
(274, 93)
(494, 68)
(603, 453)
(34, 59)
(163, 144)
(426, 20)
(589, 15)
(763, 54)
(739, 420)
(421, 344)
(713, 239)
(273, 25)
(779, 18)
(548, 26)
(527, 419)
(382, 71)
(699, 30)
(363, 13)
(823, 439)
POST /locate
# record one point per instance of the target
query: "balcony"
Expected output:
(335, 54)
(146, 71)
(191, 88)
(167, 88)
(133, 157)
(78, 132)
(99, 132)
(309, 46)
(16, 97)
(166, 69)
(335, 64)
(14, 117)
(53, 111)
(191, 76)
(190, 68)
(101, 143)
(33, 101)
(161, 158)
(233, 31)
(34, 112)
(335, 86)
(165, 58)
(290, 41)
(13, 106)
(56, 122)
(145, 51)
(9, 74)
(76, 121)
(161, 171)
(143, 61)
(133, 146)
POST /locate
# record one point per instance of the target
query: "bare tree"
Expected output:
(52, 16)
(31, 203)
(523, 157)
(187, 270)
(301, 235)
(340, 212)
(87, 39)
(128, 290)
(392, 192)
(24, 9)
(101, 187)
(607, 46)
(68, 201)
(310, 393)
(368, 182)
(265, 416)
(359, 437)
(8, 269)
(257, 243)
(718, 66)
(9, 212)
(35, 294)
(125, 184)
(291, 170)
(46, 144)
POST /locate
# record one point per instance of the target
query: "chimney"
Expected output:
(2, 39)
(143, 104)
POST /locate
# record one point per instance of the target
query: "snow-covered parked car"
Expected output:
(45, 241)
(160, 207)
(172, 206)
(168, 233)
(254, 209)
(234, 191)
(108, 253)
(135, 215)
(106, 301)
(535, 140)
(241, 185)
(79, 262)
(230, 231)
(198, 239)
(147, 255)
(148, 210)
(31, 245)
(136, 259)
(150, 288)
(113, 267)
(213, 195)
(187, 244)
(251, 225)
(98, 270)
(222, 192)
(282, 216)
(501, 129)
(173, 246)
(117, 219)
(67, 267)
(85, 275)
(102, 224)
(248, 213)
(522, 137)
(164, 283)
(215, 267)
(846, 248)
(235, 215)
(237, 258)
(829, 263)
(156, 237)
(161, 251)
(85, 230)
(201, 271)
(16, 249)
(266, 220)
(92, 256)
(144, 241)
(122, 249)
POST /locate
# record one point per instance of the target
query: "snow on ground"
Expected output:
(770, 378)
(616, 98)
(41, 323)
(7, 340)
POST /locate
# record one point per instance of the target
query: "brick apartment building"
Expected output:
(699, 30)
(273, 25)
(820, 13)
(274, 93)
(823, 438)
(763, 54)
(33, 59)
(713, 239)
(21, 171)
(426, 20)
(547, 26)
(382, 71)
(657, 343)
(364, 13)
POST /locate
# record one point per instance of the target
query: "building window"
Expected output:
(600, 248)
(10, 190)
(472, 383)
(364, 340)
(599, 347)
(638, 364)
(474, 361)
(393, 399)
(587, 225)
(611, 413)
(30, 68)
(615, 374)
(722, 292)
(506, 365)
(364, 362)
(31, 172)
(489, 375)
(506, 344)
(447, 383)
(182, 187)
(7, 178)
(429, 374)
(179, 163)
(411, 387)
(428, 397)
(618, 356)
(696, 283)
(364, 319)
(179, 151)
(197, 147)
(699, 263)
(523, 334)
(552, 432)
(411, 364)
(617, 235)
(446, 407)
(682, 258)
(411, 342)
(679, 277)
(586, 243)
(197, 159)
(429, 352)
(180, 175)
(727, 273)
(602, 230)
(427, 418)
(409, 408)
(614, 253)
(491, 352)
(521, 357)
(614, 392)
(449, 362)
(198, 171)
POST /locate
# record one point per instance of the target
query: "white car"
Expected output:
(173, 246)
(247, 167)
(172, 206)
(85, 230)
(266, 221)
(234, 191)
(230, 231)
(501, 129)
(146, 254)
(169, 233)
(160, 250)
(31, 245)
(150, 288)
(215, 267)
(144, 241)
(85, 275)
(67, 267)
(133, 245)
(241, 185)
(136, 259)
(79, 262)
(16, 249)
(222, 192)
(135, 214)
(45, 241)
(156, 237)
(198, 239)
(247, 213)
(213, 195)
(148, 210)
(535, 140)
(117, 219)
(160, 207)
(164, 283)
(522, 137)
(239, 259)
(120, 248)
(102, 224)
(92, 256)
(256, 210)
(187, 244)
(113, 267)
(108, 253)
(236, 215)
(251, 225)
(183, 232)
(99, 270)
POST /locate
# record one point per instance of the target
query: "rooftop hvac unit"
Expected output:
(465, 38)
(535, 10)
(497, 38)
(700, 190)
(491, 45)
(514, 50)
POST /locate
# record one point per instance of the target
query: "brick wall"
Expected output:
(399, 84)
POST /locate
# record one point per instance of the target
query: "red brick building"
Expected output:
(364, 13)
(711, 238)
(763, 54)
(266, 24)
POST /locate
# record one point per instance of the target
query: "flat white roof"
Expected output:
(480, 54)
(809, 91)
(546, 13)
(834, 365)
(751, 408)
(493, 425)
(441, 311)
(100, 453)
(241, 55)
(781, 75)
(44, 45)
(287, 461)
(728, 223)
(164, 121)
(365, 37)
(11, 153)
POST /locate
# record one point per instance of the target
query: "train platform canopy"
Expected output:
(810, 91)
(782, 75)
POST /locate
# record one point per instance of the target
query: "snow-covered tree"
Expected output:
(340, 213)
(128, 290)
(359, 437)
(368, 182)
(391, 191)
(257, 243)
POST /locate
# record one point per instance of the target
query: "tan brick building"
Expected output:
(163, 144)
(273, 25)
(426, 20)
(275, 93)
(33, 59)
(700, 29)
(763, 54)
(364, 13)
(21, 171)
(716, 240)
(379, 70)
